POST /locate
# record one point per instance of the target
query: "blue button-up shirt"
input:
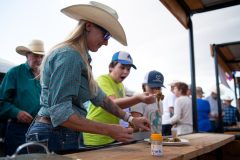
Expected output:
(65, 86)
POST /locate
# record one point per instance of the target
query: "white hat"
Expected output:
(227, 98)
(35, 46)
(99, 14)
(214, 90)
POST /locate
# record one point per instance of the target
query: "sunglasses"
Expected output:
(107, 35)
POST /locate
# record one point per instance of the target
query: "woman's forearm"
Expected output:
(81, 124)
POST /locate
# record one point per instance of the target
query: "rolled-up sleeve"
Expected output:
(64, 83)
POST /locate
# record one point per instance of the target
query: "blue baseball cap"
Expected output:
(154, 79)
(123, 58)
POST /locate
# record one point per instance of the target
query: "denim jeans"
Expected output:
(57, 139)
(14, 137)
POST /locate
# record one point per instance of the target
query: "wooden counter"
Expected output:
(200, 143)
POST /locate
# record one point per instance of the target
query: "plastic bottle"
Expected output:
(156, 144)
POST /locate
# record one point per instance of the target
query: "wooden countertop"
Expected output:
(232, 128)
(200, 143)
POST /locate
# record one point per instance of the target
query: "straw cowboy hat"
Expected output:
(214, 90)
(99, 14)
(199, 90)
(35, 46)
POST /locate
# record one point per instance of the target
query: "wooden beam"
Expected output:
(174, 7)
(221, 62)
(194, 4)
(227, 53)
(224, 66)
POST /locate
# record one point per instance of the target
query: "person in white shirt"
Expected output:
(212, 99)
(168, 110)
(182, 118)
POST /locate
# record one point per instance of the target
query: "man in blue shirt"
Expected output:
(20, 95)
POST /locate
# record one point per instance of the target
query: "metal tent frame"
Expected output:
(183, 10)
(227, 56)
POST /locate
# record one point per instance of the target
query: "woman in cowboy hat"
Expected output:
(67, 82)
(20, 92)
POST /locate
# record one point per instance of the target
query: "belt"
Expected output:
(43, 119)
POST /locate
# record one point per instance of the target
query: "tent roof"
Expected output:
(228, 56)
(5, 65)
(182, 9)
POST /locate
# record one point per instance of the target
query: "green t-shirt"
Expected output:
(110, 87)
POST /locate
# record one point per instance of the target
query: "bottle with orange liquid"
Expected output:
(156, 144)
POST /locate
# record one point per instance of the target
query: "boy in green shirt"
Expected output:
(111, 84)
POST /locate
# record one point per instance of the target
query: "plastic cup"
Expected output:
(238, 124)
(174, 132)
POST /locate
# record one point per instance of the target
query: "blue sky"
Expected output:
(156, 39)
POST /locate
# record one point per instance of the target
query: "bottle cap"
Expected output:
(156, 137)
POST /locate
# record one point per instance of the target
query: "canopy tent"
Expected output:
(4, 67)
(228, 58)
(183, 10)
(228, 55)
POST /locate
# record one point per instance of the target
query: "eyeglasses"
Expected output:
(107, 35)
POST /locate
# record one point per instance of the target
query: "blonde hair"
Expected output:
(77, 39)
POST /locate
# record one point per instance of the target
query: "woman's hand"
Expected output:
(141, 123)
(147, 98)
(120, 133)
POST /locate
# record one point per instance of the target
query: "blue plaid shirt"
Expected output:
(231, 115)
(65, 86)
